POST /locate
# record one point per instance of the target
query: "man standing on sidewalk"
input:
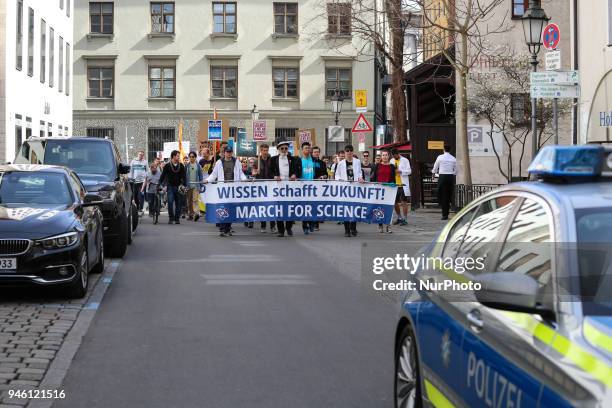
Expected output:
(194, 178)
(349, 169)
(263, 171)
(402, 179)
(227, 169)
(174, 176)
(446, 169)
(284, 168)
(138, 172)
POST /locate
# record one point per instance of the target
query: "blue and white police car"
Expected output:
(538, 333)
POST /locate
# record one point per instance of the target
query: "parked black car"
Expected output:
(50, 229)
(98, 164)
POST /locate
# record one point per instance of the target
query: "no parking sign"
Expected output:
(551, 36)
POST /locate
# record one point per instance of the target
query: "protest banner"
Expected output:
(315, 200)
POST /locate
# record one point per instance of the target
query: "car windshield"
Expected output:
(91, 159)
(19, 188)
(594, 229)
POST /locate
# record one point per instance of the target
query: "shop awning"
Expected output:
(401, 146)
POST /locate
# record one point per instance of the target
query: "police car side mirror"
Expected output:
(508, 291)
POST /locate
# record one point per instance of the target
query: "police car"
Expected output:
(539, 330)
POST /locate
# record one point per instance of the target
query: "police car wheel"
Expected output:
(407, 375)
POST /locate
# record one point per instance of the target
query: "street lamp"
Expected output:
(533, 24)
(254, 113)
(336, 104)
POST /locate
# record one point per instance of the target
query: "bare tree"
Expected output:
(501, 98)
(458, 29)
(374, 29)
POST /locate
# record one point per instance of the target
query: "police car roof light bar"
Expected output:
(566, 163)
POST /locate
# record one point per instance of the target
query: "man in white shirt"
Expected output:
(402, 179)
(138, 171)
(284, 167)
(446, 169)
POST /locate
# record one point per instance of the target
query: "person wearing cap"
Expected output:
(349, 169)
(284, 167)
(445, 168)
(228, 168)
(402, 179)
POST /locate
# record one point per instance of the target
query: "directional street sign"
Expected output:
(362, 125)
(555, 77)
(555, 91)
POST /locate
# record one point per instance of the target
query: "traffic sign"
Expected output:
(554, 91)
(215, 130)
(551, 36)
(362, 125)
(335, 134)
(361, 98)
(553, 60)
(555, 77)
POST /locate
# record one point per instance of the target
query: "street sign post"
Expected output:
(555, 78)
(361, 124)
(553, 60)
(215, 130)
(551, 36)
(554, 91)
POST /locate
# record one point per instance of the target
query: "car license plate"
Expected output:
(8, 264)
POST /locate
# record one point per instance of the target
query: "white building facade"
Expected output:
(35, 71)
(592, 36)
(142, 67)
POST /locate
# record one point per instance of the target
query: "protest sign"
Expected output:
(315, 200)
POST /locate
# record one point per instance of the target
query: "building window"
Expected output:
(339, 18)
(28, 133)
(68, 8)
(162, 82)
(100, 80)
(284, 135)
(338, 78)
(101, 18)
(162, 17)
(30, 42)
(332, 148)
(285, 82)
(59, 130)
(60, 73)
(42, 129)
(43, 51)
(19, 36)
(285, 18)
(51, 57)
(520, 107)
(519, 7)
(67, 69)
(50, 129)
(224, 82)
(224, 18)
(156, 139)
(102, 133)
(18, 133)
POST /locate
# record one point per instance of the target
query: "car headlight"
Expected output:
(106, 194)
(60, 241)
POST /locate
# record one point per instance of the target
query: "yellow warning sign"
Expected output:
(361, 98)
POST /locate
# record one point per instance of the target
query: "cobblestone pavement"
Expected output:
(33, 327)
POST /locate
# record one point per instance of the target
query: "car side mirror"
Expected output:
(92, 199)
(508, 291)
(123, 169)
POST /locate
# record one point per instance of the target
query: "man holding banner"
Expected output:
(227, 169)
(284, 167)
(349, 169)
(263, 171)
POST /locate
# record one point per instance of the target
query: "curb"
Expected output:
(61, 363)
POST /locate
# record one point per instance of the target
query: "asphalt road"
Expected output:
(194, 320)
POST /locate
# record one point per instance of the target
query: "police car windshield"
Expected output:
(594, 229)
(82, 156)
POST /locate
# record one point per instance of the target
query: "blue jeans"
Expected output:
(174, 203)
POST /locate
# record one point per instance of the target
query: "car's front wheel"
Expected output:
(407, 375)
(117, 247)
(78, 287)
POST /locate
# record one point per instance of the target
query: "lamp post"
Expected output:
(254, 113)
(534, 20)
(336, 104)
